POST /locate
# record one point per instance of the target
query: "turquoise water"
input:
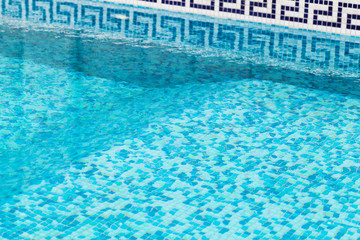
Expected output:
(112, 138)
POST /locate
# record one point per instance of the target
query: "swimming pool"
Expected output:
(176, 126)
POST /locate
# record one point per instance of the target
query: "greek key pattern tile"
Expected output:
(325, 15)
(258, 42)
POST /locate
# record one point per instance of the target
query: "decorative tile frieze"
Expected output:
(342, 17)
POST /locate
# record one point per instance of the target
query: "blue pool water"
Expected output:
(130, 135)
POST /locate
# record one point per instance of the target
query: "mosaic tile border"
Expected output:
(299, 50)
(341, 17)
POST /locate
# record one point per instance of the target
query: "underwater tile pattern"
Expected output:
(251, 159)
(164, 126)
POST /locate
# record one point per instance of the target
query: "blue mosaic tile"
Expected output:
(173, 143)
(146, 188)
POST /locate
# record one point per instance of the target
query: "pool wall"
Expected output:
(341, 17)
(291, 55)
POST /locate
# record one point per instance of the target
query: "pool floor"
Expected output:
(247, 159)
